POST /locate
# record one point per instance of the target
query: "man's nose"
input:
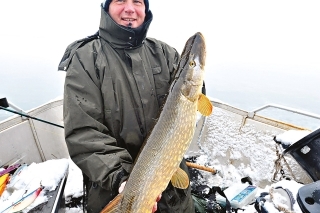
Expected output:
(129, 7)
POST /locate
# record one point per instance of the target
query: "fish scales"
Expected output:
(162, 159)
(171, 136)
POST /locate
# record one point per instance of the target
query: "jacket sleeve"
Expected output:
(172, 56)
(88, 139)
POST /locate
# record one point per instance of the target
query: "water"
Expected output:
(253, 58)
(28, 90)
(33, 80)
(247, 87)
(250, 86)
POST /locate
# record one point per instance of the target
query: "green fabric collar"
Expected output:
(122, 37)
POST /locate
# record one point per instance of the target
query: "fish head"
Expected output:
(192, 65)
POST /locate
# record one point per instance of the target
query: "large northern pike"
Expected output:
(159, 159)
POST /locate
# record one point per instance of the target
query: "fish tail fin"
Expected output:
(113, 206)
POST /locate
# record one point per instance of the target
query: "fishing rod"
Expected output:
(4, 105)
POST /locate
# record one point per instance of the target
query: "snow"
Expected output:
(74, 184)
(238, 149)
(291, 136)
(235, 149)
(47, 174)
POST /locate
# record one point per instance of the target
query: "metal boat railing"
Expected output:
(312, 115)
(254, 116)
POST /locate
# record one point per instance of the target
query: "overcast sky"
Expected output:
(252, 46)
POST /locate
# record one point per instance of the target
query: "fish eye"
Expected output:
(192, 63)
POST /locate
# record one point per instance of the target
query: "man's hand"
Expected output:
(154, 208)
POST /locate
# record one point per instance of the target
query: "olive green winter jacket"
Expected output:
(115, 85)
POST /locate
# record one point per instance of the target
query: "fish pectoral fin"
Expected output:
(113, 205)
(204, 105)
(180, 179)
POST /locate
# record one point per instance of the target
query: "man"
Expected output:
(115, 85)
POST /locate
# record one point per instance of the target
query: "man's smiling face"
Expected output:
(128, 12)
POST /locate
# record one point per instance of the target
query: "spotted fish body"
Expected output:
(163, 150)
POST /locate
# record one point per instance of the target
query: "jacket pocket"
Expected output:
(160, 78)
(161, 82)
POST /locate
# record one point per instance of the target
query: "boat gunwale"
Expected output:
(18, 119)
(259, 118)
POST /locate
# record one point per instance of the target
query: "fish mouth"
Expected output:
(193, 62)
(200, 48)
(191, 67)
(195, 47)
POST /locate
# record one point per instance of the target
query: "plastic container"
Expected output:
(306, 152)
(308, 197)
(240, 194)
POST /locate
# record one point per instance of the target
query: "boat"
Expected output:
(228, 141)
(26, 141)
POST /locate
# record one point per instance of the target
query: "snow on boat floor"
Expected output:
(237, 151)
(247, 149)
(229, 141)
